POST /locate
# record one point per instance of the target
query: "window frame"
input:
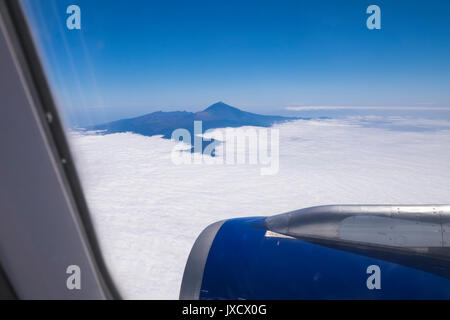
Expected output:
(18, 38)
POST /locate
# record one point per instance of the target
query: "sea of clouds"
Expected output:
(148, 211)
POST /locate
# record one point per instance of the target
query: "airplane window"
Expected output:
(180, 114)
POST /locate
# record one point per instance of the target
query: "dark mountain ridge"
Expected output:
(218, 115)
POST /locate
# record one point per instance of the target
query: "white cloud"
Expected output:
(148, 211)
(368, 108)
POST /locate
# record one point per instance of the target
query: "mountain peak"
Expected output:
(219, 106)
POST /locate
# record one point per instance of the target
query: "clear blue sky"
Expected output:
(133, 57)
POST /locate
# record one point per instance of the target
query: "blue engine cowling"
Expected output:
(244, 259)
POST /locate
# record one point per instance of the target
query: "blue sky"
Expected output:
(133, 57)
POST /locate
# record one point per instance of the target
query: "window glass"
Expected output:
(324, 104)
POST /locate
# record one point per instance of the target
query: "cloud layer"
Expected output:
(148, 211)
(362, 108)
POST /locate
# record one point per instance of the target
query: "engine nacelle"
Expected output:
(328, 252)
